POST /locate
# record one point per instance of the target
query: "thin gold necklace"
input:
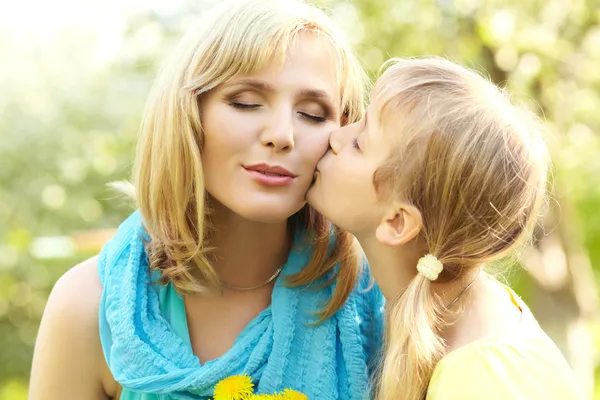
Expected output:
(244, 289)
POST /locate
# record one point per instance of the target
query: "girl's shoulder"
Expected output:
(524, 364)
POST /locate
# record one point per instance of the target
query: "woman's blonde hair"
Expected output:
(234, 38)
(475, 166)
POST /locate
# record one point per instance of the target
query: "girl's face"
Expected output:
(265, 133)
(343, 190)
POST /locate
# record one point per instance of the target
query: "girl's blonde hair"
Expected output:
(475, 166)
(234, 38)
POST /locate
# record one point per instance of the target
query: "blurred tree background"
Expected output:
(74, 76)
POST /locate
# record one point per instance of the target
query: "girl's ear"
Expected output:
(401, 224)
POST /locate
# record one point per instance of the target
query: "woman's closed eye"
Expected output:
(245, 100)
(313, 117)
(315, 112)
(355, 143)
(244, 106)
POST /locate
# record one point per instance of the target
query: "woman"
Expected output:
(224, 270)
(442, 177)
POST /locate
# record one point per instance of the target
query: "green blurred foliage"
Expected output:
(69, 118)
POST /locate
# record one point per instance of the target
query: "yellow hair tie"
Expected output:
(430, 267)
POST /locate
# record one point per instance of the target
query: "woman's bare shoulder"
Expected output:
(81, 279)
(68, 356)
(75, 297)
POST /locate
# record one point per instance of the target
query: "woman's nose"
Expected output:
(280, 134)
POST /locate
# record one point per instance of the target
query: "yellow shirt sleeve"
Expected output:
(503, 369)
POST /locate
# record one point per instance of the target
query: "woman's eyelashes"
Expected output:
(355, 143)
(317, 112)
(311, 116)
(243, 106)
(244, 101)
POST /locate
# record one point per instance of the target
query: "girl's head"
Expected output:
(236, 122)
(442, 146)
(444, 162)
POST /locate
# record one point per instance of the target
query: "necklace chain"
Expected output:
(457, 297)
(276, 274)
(464, 290)
(243, 289)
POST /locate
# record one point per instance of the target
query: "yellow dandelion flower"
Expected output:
(289, 394)
(237, 387)
(263, 397)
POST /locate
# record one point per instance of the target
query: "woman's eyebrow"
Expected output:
(265, 87)
(256, 84)
(315, 94)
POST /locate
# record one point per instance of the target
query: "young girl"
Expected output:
(225, 270)
(442, 177)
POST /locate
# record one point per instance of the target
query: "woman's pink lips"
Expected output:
(270, 178)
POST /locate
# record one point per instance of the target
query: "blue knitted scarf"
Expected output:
(278, 349)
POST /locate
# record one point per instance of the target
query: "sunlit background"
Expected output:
(74, 76)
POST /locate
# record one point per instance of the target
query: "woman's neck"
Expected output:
(246, 253)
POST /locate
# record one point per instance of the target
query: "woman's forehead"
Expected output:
(310, 62)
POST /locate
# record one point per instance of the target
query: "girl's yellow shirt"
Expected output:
(525, 364)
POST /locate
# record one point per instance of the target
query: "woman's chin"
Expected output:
(268, 212)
